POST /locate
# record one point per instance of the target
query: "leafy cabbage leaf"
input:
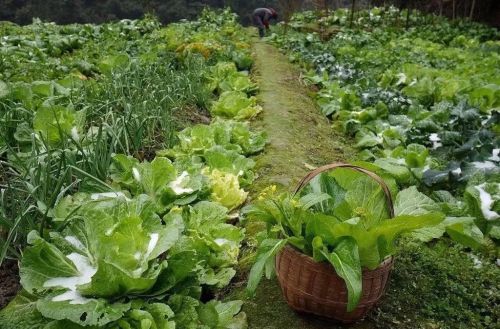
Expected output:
(236, 105)
(225, 189)
(110, 251)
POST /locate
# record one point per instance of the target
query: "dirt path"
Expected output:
(299, 135)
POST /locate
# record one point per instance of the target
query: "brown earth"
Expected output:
(9, 282)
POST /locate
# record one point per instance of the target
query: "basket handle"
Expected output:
(374, 176)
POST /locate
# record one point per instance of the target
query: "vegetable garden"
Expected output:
(416, 108)
(135, 161)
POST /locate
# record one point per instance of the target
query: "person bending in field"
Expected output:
(261, 18)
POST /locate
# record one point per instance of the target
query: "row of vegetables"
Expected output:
(150, 242)
(421, 104)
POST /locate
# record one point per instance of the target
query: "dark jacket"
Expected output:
(264, 14)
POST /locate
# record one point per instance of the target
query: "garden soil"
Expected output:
(9, 282)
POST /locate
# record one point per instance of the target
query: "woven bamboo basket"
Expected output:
(315, 288)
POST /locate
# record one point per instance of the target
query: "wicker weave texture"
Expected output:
(312, 287)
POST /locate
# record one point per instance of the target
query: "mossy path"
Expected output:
(299, 136)
(432, 286)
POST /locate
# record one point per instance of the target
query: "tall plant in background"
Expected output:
(288, 8)
(353, 7)
(486, 10)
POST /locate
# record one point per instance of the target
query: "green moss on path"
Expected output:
(432, 286)
(299, 136)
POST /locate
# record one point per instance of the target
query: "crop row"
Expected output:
(129, 224)
(422, 105)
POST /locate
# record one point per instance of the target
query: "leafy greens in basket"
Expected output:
(340, 218)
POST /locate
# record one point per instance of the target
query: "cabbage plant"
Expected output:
(117, 264)
(110, 251)
(236, 105)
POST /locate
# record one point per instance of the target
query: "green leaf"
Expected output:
(154, 176)
(208, 315)
(23, 313)
(4, 89)
(41, 261)
(158, 179)
(464, 231)
(182, 266)
(94, 312)
(185, 310)
(43, 88)
(391, 229)
(411, 202)
(367, 200)
(480, 200)
(367, 140)
(55, 123)
(121, 171)
(325, 183)
(364, 197)
(218, 315)
(320, 225)
(228, 315)
(345, 260)
(207, 212)
(219, 279)
(318, 246)
(236, 105)
(267, 250)
(312, 199)
(416, 155)
(378, 242)
(226, 190)
(396, 169)
(429, 233)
